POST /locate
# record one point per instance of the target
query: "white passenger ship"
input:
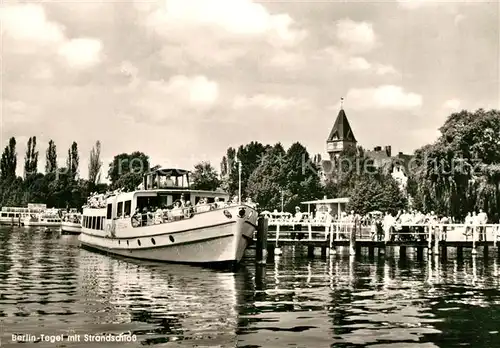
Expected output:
(71, 222)
(15, 215)
(168, 221)
(48, 218)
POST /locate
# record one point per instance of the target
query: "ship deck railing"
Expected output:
(176, 214)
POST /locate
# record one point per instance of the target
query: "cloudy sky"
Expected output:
(182, 80)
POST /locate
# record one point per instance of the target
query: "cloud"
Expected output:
(81, 53)
(227, 17)
(382, 69)
(269, 102)
(452, 104)
(356, 36)
(286, 60)
(343, 61)
(15, 112)
(383, 97)
(29, 31)
(179, 97)
(29, 23)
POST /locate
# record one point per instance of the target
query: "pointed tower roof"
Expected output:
(341, 129)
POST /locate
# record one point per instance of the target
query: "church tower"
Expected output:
(341, 137)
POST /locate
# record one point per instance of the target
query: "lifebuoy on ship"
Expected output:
(135, 220)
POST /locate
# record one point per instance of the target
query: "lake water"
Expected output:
(49, 286)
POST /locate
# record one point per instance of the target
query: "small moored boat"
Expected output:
(15, 215)
(71, 223)
(49, 218)
(168, 221)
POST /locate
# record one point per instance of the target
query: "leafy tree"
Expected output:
(301, 177)
(136, 163)
(266, 183)
(229, 171)
(95, 164)
(51, 158)
(31, 158)
(376, 193)
(8, 163)
(250, 156)
(73, 160)
(205, 177)
(128, 181)
(459, 172)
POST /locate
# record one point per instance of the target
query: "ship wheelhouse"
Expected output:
(161, 188)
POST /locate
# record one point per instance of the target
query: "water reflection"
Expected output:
(49, 285)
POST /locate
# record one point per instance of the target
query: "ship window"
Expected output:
(128, 209)
(98, 226)
(153, 241)
(147, 202)
(11, 214)
(119, 210)
(93, 222)
(4, 214)
(109, 212)
(139, 242)
(102, 223)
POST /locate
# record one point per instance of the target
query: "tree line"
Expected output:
(458, 173)
(59, 187)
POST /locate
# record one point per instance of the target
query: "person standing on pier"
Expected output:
(475, 223)
(482, 218)
(389, 222)
(444, 229)
(468, 225)
(297, 227)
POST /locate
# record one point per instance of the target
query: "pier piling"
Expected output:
(402, 252)
(371, 253)
(444, 250)
(352, 241)
(429, 241)
(436, 241)
(420, 253)
(261, 245)
(310, 251)
(474, 250)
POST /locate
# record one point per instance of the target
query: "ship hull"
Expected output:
(10, 221)
(71, 228)
(40, 224)
(209, 239)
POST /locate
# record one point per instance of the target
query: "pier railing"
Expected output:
(288, 230)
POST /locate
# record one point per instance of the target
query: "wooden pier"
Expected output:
(274, 234)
